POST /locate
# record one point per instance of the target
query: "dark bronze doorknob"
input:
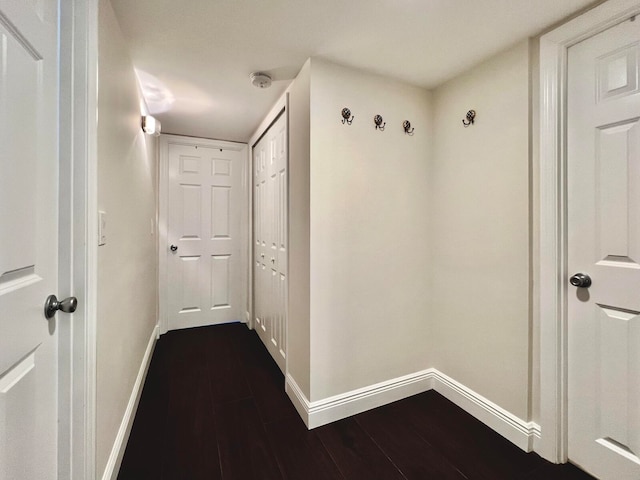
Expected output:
(52, 305)
(580, 280)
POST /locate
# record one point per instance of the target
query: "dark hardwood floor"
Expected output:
(214, 407)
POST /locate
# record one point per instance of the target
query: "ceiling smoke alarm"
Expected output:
(260, 80)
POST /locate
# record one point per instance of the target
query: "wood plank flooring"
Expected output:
(214, 407)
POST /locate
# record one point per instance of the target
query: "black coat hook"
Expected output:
(407, 127)
(379, 123)
(471, 115)
(346, 116)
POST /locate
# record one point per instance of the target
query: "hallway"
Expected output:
(214, 407)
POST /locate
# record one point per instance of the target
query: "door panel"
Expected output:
(270, 247)
(28, 239)
(604, 242)
(220, 281)
(204, 224)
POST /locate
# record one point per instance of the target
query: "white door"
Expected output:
(604, 243)
(203, 231)
(270, 239)
(28, 239)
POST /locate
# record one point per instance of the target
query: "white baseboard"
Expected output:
(514, 429)
(120, 443)
(321, 412)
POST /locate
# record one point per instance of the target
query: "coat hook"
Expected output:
(346, 116)
(471, 115)
(379, 123)
(407, 127)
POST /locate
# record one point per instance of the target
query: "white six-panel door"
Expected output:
(604, 243)
(204, 214)
(270, 239)
(28, 239)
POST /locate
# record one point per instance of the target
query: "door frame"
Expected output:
(78, 237)
(163, 215)
(552, 203)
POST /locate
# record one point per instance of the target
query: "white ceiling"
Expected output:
(194, 57)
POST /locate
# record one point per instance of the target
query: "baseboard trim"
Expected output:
(341, 406)
(321, 412)
(513, 428)
(119, 445)
(298, 398)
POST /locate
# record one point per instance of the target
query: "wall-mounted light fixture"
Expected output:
(150, 125)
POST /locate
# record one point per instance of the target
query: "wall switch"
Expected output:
(102, 228)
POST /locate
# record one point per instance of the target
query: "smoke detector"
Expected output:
(260, 80)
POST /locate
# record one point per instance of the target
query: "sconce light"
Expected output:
(150, 125)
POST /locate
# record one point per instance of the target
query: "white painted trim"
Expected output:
(78, 238)
(163, 188)
(88, 391)
(314, 414)
(280, 105)
(163, 211)
(321, 412)
(298, 398)
(554, 45)
(120, 442)
(514, 429)
(288, 217)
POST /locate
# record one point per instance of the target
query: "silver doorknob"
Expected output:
(52, 305)
(580, 280)
(174, 248)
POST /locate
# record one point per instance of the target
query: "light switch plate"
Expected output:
(102, 228)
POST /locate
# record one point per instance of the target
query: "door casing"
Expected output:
(78, 237)
(551, 276)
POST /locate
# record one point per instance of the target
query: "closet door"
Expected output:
(270, 234)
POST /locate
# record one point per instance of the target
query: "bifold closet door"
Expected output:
(270, 239)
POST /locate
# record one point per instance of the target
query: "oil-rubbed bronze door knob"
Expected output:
(580, 280)
(52, 305)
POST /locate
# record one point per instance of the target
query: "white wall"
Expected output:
(127, 264)
(298, 326)
(368, 231)
(408, 253)
(479, 231)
